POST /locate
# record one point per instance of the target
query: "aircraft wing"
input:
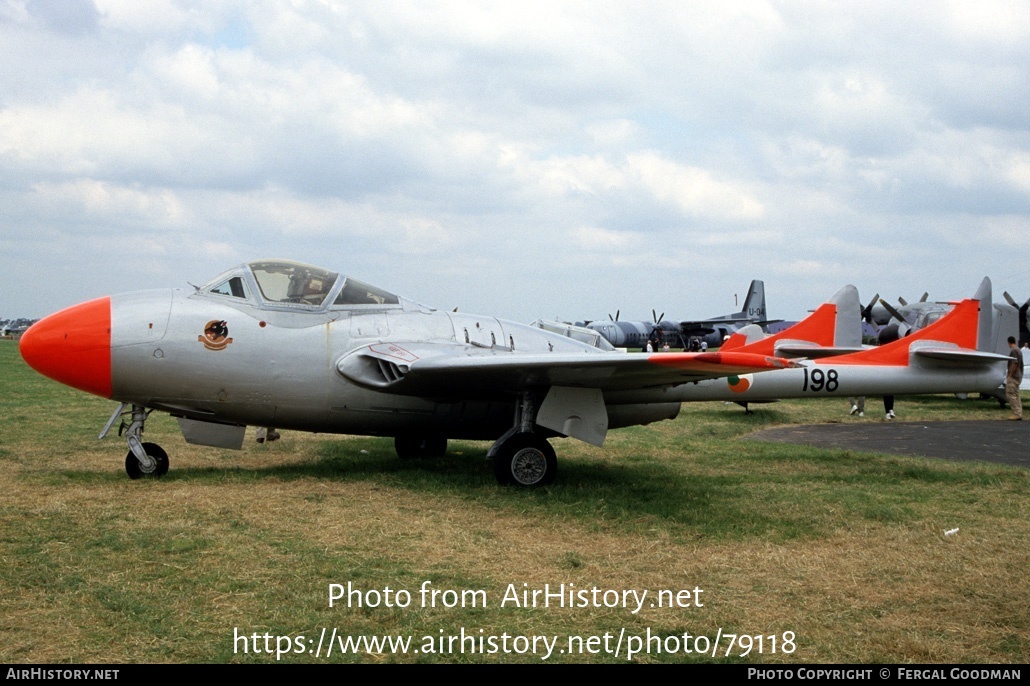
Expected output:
(446, 370)
(708, 325)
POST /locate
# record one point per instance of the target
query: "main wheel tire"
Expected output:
(412, 447)
(526, 460)
(135, 470)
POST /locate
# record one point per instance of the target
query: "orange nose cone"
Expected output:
(73, 346)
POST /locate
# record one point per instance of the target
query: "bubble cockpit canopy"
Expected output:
(284, 284)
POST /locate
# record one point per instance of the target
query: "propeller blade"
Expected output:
(890, 308)
(867, 311)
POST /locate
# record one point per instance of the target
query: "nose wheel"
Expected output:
(143, 459)
(158, 462)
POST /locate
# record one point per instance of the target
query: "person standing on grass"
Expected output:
(1012, 380)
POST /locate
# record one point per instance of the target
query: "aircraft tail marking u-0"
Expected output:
(754, 303)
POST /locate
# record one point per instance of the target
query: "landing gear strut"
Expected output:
(522, 457)
(143, 459)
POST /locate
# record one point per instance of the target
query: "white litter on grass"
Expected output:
(365, 452)
(951, 532)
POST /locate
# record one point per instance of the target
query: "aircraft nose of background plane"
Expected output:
(73, 346)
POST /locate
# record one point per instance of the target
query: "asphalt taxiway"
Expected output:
(1006, 442)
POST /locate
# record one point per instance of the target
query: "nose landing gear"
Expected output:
(143, 459)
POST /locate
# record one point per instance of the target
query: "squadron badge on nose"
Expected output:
(216, 335)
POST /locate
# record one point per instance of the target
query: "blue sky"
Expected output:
(518, 159)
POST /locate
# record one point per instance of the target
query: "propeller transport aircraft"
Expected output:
(716, 330)
(275, 343)
(635, 334)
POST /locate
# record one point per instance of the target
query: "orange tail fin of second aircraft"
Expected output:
(818, 328)
(836, 324)
(958, 327)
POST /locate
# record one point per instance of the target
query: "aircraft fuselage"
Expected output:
(269, 368)
(824, 379)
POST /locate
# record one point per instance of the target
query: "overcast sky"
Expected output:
(518, 159)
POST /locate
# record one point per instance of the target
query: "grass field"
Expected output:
(844, 550)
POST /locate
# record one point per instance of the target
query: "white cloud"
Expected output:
(151, 17)
(695, 191)
(604, 240)
(95, 201)
(989, 21)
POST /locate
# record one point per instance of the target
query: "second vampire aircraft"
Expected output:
(955, 354)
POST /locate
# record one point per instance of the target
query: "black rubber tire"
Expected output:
(132, 465)
(527, 461)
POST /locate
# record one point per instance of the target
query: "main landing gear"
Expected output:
(525, 459)
(521, 457)
(143, 459)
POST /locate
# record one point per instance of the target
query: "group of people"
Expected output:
(658, 342)
(858, 406)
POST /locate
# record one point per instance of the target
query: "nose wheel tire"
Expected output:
(527, 461)
(136, 471)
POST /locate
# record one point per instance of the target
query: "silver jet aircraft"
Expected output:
(275, 343)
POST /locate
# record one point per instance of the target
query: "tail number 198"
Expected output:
(817, 380)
